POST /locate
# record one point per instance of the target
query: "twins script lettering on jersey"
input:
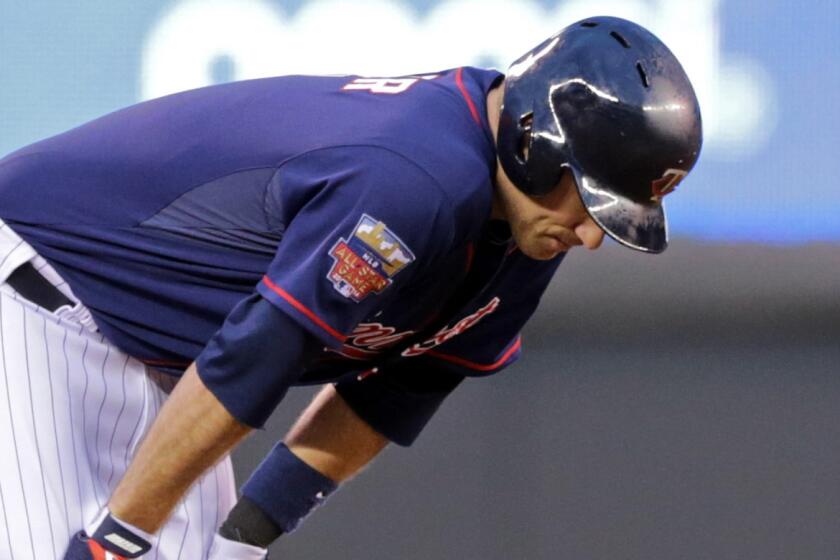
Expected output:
(447, 333)
(368, 339)
(376, 336)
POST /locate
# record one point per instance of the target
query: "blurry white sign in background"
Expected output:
(256, 38)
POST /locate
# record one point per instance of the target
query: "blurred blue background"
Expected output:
(765, 72)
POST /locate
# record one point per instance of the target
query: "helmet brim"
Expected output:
(639, 226)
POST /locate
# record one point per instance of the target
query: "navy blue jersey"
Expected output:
(345, 215)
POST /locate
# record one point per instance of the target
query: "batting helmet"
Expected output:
(607, 100)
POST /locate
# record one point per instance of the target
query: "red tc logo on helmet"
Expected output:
(666, 185)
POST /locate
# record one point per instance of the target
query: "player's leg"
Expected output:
(52, 393)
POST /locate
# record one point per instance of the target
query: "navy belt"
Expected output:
(30, 284)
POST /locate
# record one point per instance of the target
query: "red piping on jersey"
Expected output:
(479, 367)
(460, 82)
(165, 363)
(470, 255)
(303, 309)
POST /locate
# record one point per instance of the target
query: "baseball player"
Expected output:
(387, 237)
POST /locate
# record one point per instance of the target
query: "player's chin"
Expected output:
(543, 247)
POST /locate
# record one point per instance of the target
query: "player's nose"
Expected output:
(590, 233)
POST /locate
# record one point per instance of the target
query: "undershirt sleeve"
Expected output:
(399, 401)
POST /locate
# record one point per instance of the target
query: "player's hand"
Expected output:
(83, 548)
(111, 540)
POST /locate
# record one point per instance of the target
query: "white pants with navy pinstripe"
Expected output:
(73, 410)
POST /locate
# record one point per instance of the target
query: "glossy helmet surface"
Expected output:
(607, 100)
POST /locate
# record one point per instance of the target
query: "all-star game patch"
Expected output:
(365, 263)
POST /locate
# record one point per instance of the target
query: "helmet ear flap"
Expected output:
(509, 143)
(546, 161)
(528, 149)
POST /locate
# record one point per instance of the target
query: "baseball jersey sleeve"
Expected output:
(372, 223)
(250, 363)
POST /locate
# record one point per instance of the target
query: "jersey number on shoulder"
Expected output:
(389, 86)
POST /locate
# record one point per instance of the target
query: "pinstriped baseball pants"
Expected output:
(73, 410)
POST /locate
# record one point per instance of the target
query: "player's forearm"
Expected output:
(327, 445)
(191, 433)
(332, 439)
